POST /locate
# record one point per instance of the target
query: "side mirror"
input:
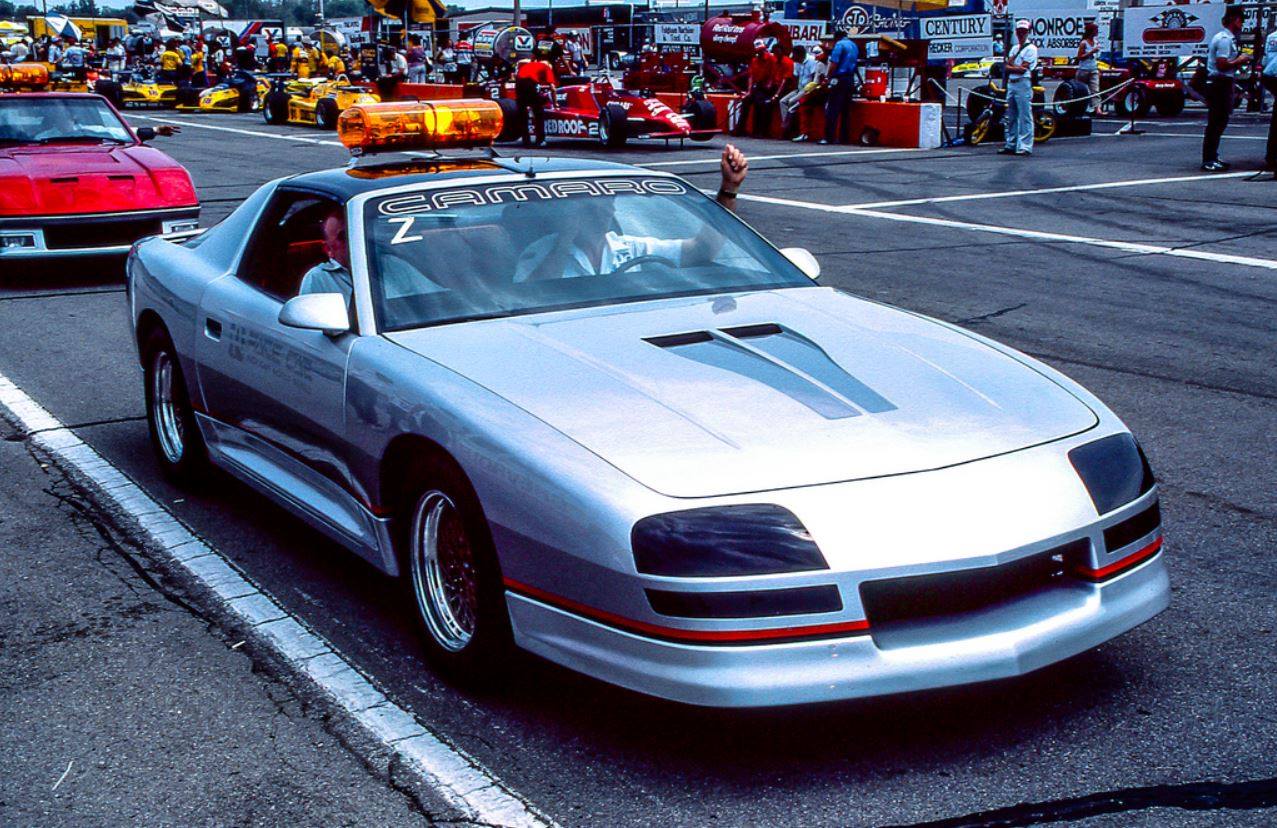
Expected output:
(324, 312)
(145, 134)
(803, 260)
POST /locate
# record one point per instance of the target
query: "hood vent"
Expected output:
(782, 360)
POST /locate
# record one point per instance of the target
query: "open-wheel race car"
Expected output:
(602, 110)
(311, 101)
(137, 89)
(222, 97)
(1132, 90)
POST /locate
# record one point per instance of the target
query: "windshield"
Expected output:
(50, 120)
(472, 252)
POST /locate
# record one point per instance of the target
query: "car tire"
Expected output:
(978, 101)
(186, 96)
(980, 129)
(510, 124)
(451, 574)
(170, 418)
(1133, 102)
(702, 114)
(1070, 91)
(613, 126)
(1044, 126)
(275, 108)
(326, 113)
(112, 91)
(1168, 106)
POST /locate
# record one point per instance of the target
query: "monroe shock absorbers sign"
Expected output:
(1058, 31)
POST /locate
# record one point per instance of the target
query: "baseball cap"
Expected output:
(1023, 24)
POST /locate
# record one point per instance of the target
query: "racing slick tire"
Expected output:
(187, 96)
(1065, 102)
(112, 91)
(703, 115)
(613, 126)
(978, 101)
(170, 419)
(511, 126)
(1171, 104)
(326, 113)
(451, 573)
(275, 108)
(1134, 101)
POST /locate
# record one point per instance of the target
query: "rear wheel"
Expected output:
(703, 115)
(186, 96)
(326, 113)
(1132, 102)
(1171, 104)
(510, 123)
(175, 436)
(613, 126)
(275, 107)
(452, 574)
(980, 128)
(978, 101)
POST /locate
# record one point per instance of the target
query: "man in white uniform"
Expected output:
(1021, 62)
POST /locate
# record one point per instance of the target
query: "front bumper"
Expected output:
(1001, 641)
(100, 234)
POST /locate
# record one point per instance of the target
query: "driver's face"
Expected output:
(594, 217)
(335, 240)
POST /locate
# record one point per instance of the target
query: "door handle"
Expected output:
(212, 328)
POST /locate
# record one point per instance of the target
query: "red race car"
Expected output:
(603, 111)
(76, 180)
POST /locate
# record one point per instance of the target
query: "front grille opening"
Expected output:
(98, 232)
(758, 603)
(917, 597)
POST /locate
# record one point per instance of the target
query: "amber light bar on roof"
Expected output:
(419, 125)
(24, 75)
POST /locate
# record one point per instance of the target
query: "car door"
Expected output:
(276, 394)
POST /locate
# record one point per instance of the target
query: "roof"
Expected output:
(344, 183)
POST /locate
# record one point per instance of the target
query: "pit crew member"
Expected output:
(533, 85)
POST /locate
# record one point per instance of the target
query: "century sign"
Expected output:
(959, 37)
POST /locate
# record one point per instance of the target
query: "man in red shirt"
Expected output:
(782, 79)
(533, 86)
(762, 80)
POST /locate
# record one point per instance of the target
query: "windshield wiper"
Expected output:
(97, 139)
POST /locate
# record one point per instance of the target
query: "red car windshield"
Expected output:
(51, 120)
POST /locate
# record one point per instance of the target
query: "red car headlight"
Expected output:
(175, 185)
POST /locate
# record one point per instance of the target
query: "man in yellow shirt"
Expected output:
(170, 61)
(198, 79)
(336, 66)
(301, 62)
(316, 58)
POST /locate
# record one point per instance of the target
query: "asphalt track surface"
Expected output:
(1159, 295)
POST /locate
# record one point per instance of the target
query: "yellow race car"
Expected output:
(135, 89)
(312, 101)
(221, 98)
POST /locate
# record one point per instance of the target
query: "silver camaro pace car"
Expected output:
(580, 408)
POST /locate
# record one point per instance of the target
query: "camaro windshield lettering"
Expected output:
(424, 202)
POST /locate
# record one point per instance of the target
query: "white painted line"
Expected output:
(1104, 185)
(186, 122)
(1128, 247)
(458, 778)
(1199, 137)
(714, 159)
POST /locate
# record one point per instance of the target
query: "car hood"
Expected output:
(73, 179)
(767, 390)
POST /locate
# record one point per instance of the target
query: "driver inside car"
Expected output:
(589, 246)
(333, 276)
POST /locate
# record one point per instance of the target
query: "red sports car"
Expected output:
(75, 179)
(603, 111)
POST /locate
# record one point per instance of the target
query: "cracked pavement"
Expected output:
(1172, 725)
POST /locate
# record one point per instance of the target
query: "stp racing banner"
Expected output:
(1170, 31)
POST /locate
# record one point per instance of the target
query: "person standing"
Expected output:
(115, 57)
(533, 84)
(1269, 79)
(1222, 59)
(842, 85)
(416, 60)
(761, 89)
(576, 53)
(1088, 64)
(1020, 65)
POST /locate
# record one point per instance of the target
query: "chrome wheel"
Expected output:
(445, 580)
(169, 430)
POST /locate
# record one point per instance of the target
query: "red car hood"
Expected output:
(74, 179)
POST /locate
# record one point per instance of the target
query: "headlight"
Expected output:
(755, 539)
(180, 225)
(1114, 471)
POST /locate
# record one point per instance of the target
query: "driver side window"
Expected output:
(288, 242)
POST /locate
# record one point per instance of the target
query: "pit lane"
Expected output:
(1181, 348)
